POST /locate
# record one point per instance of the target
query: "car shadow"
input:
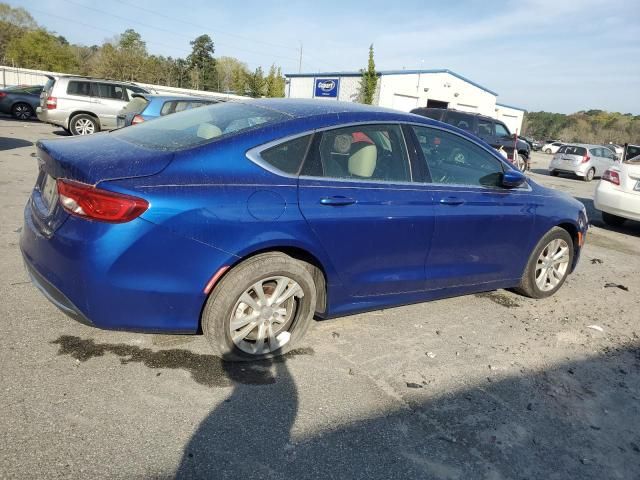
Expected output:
(8, 143)
(595, 218)
(61, 132)
(573, 420)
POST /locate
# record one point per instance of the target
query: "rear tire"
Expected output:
(236, 318)
(613, 220)
(556, 243)
(83, 124)
(548, 150)
(589, 175)
(22, 111)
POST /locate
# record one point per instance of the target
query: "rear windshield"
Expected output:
(136, 105)
(198, 126)
(571, 150)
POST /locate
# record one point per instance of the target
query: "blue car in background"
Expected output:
(143, 107)
(20, 101)
(245, 219)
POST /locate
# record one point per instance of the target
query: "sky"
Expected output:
(554, 55)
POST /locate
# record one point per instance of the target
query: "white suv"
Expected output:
(84, 105)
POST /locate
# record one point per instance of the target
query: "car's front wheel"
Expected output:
(261, 308)
(549, 265)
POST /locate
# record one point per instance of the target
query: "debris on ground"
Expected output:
(414, 385)
(596, 260)
(430, 355)
(596, 327)
(616, 285)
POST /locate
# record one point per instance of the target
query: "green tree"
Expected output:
(256, 83)
(275, 82)
(232, 74)
(369, 80)
(14, 22)
(40, 50)
(202, 63)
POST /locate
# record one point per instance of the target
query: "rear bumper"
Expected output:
(617, 202)
(54, 117)
(567, 167)
(136, 276)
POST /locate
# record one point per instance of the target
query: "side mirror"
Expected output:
(513, 178)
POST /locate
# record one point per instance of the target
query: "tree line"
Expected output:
(590, 126)
(25, 44)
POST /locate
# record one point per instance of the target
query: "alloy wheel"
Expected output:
(263, 314)
(22, 112)
(552, 264)
(84, 126)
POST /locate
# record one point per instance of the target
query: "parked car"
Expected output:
(617, 149)
(552, 147)
(144, 106)
(492, 131)
(242, 219)
(618, 193)
(84, 105)
(537, 145)
(582, 160)
(20, 101)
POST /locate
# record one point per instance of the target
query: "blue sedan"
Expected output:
(243, 220)
(146, 106)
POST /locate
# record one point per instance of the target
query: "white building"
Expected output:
(407, 89)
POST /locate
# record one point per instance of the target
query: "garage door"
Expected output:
(404, 102)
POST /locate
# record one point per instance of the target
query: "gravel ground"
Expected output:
(490, 386)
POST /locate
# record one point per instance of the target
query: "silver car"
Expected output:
(583, 160)
(84, 105)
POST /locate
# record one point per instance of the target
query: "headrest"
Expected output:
(208, 131)
(363, 158)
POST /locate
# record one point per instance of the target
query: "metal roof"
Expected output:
(391, 72)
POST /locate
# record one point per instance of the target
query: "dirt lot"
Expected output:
(491, 386)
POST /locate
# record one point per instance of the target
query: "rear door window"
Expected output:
(460, 120)
(485, 128)
(453, 160)
(363, 152)
(80, 88)
(111, 91)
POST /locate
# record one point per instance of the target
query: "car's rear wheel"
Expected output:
(549, 265)
(83, 124)
(589, 175)
(22, 111)
(548, 150)
(261, 308)
(613, 220)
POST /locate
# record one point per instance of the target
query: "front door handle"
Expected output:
(452, 201)
(337, 201)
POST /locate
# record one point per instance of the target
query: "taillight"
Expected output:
(611, 176)
(93, 203)
(586, 158)
(3, 94)
(137, 119)
(52, 103)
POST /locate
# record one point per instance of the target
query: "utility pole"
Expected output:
(300, 61)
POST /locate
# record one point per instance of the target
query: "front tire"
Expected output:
(260, 309)
(548, 150)
(83, 124)
(22, 111)
(549, 265)
(613, 220)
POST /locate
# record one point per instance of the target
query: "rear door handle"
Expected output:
(337, 201)
(451, 201)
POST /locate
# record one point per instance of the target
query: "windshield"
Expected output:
(198, 126)
(136, 105)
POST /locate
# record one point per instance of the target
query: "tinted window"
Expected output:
(287, 157)
(456, 161)
(198, 126)
(460, 120)
(365, 152)
(572, 150)
(79, 88)
(485, 128)
(597, 152)
(168, 107)
(428, 112)
(137, 105)
(110, 91)
(501, 131)
(632, 152)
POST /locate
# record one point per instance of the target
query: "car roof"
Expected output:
(471, 114)
(91, 79)
(156, 96)
(312, 107)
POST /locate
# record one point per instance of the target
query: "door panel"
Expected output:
(357, 195)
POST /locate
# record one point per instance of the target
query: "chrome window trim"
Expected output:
(253, 154)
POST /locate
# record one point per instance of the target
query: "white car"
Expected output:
(616, 148)
(552, 147)
(618, 193)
